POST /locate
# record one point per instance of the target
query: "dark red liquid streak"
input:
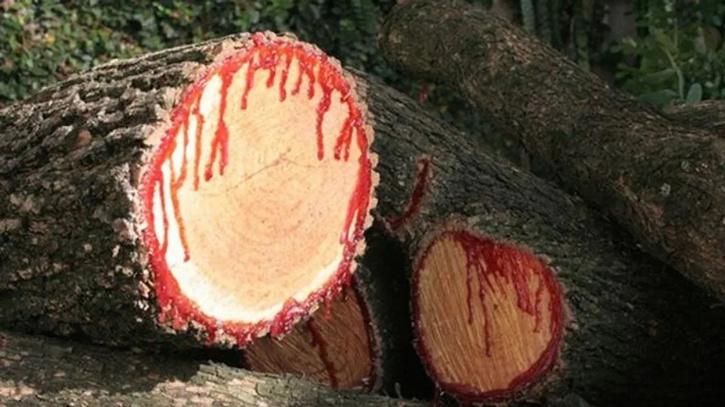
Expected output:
(283, 80)
(175, 307)
(197, 145)
(319, 342)
(164, 215)
(220, 143)
(176, 184)
(422, 177)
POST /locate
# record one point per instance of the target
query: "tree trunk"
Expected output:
(622, 310)
(661, 180)
(709, 114)
(39, 371)
(362, 340)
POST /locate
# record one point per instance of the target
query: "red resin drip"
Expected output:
(164, 216)
(508, 267)
(265, 53)
(422, 177)
(283, 81)
(319, 342)
(197, 153)
(176, 183)
(323, 107)
(220, 142)
(513, 265)
(423, 94)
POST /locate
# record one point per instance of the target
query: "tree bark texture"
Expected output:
(662, 180)
(40, 371)
(709, 114)
(638, 331)
(73, 261)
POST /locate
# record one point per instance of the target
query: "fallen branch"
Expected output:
(39, 371)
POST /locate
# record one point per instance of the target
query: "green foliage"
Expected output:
(678, 52)
(46, 40)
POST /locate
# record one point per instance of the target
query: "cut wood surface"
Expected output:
(709, 114)
(220, 190)
(337, 347)
(614, 325)
(363, 339)
(39, 371)
(664, 181)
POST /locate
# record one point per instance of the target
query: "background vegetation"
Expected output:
(664, 51)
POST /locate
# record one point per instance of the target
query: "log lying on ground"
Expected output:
(613, 324)
(363, 339)
(45, 371)
(709, 114)
(663, 181)
(220, 190)
(336, 347)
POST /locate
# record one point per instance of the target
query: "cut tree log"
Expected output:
(39, 371)
(613, 324)
(709, 114)
(362, 340)
(337, 347)
(220, 190)
(663, 181)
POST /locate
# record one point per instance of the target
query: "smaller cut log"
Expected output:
(40, 371)
(489, 316)
(362, 340)
(662, 180)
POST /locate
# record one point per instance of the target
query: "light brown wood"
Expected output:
(484, 318)
(335, 347)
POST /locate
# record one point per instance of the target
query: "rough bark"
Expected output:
(709, 114)
(39, 371)
(75, 261)
(663, 181)
(634, 322)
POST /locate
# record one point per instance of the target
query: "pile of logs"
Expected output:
(245, 222)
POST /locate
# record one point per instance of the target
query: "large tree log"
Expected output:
(662, 180)
(39, 371)
(628, 324)
(169, 198)
(360, 341)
